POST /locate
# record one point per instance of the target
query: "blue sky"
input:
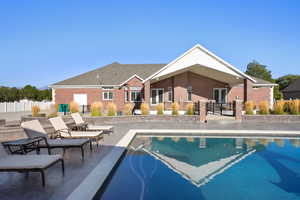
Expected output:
(42, 42)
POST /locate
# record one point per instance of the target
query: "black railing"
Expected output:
(220, 108)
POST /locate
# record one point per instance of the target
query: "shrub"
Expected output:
(145, 109)
(189, 109)
(74, 107)
(160, 109)
(111, 109)
(264, 108)
(96, 109)
(294, 107)
(175, 108)
(249, 106)
(128, 109)
(279, 107)
(35, 110)
(53, 109)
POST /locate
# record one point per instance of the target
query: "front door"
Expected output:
(220, 95)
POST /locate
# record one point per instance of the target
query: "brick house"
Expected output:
(196, 75)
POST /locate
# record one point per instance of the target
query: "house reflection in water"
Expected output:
(198, 159)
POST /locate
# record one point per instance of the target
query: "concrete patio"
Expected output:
(18, 186)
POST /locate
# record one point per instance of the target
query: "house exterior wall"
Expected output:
(202, 89)
(65, 95)
(257, 94)
(291, 95)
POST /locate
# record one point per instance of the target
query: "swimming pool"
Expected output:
(207, 168)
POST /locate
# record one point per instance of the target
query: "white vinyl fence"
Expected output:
(23, 105)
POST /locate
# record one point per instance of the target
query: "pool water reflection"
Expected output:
(207, 168)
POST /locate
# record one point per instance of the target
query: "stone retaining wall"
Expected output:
(271, 118)
(2, 122)
(141, 118)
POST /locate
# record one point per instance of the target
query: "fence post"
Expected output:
(237, 109)
(5, 106)
(202, 106)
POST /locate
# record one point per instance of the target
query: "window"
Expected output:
(220, 95)
(157, 96)
(170, 94)
(136, 96)
(126, 95)
(189, 93)
(108, 95)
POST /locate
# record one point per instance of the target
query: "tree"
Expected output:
(286, 80)
(258, 70)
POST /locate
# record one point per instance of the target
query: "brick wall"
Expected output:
(65, 95)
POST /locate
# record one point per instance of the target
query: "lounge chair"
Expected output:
(28, 163)
(80, 123)
(34, 129)
(63, 131)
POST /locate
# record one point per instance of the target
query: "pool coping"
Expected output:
(96, 178)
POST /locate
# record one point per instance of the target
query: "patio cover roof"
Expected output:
(201, 61)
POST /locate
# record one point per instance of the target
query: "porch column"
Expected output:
(248, 88)
(147, 92)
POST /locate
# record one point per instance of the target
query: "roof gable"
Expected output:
(198, 55)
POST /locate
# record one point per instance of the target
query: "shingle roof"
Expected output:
(293, 87)
(261, 81)
(112, 74)
(116, 74)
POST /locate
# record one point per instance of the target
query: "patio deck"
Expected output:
(17, 186)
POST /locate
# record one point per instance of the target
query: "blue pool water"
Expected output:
(207, 168)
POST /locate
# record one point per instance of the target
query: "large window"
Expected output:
(170, 94)
(108, 94)
(157, 96)
(136, 96)
(220, 95)
(189, 93)
(126, 95)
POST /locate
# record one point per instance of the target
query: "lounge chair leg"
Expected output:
(91, 145)
(43, 177)
(63, 166)
(38, 150)
(64, 151)
(49, 151)
(82, 152)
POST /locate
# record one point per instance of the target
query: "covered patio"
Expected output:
(194, 76)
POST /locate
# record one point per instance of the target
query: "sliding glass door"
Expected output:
(157, 96)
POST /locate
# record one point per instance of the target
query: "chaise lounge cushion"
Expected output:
(64, 143)
(19, 162)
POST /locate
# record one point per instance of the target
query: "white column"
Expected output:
(271, 97)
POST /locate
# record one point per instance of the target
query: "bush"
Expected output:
(35, 110)
(175, 108)
(189, 109)
(279, 107)
(145, 109)
(128, 109)
(53, 109)
(96, 109)
(249, 107)
(160, 109)
(294, 107)
(74, 107)
(111, 109)
(264, 108)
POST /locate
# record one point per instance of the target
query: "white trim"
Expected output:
(265, 84)
(210, 54)
(131, 78)
(157, 96)
(108, 90)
